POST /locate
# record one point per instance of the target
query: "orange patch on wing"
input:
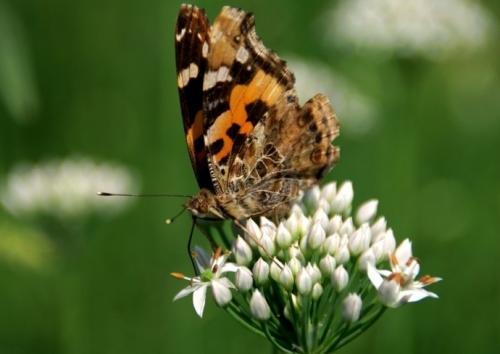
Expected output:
(195, 130)
(263, 87)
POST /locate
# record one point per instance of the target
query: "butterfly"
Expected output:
(252, 146)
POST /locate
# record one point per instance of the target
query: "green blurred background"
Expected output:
(97, 78)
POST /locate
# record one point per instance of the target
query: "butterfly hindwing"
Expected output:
(191, 48)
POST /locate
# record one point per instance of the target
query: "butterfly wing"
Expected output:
(191, 49)
(243, 81)
(263, 147)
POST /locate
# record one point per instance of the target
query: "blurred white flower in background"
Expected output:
(355, 111)
(66, 188)
(428, 28)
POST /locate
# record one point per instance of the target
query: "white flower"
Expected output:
(211, 275)
(320, 217)
(378, 227)
(243, 279)
(343, 199)
(328, 191)
(295, 265)
(303, 282)
(317, 291)
(327, 265)
(242, 251)
(367, 211)
(253, 234)
(334, 224)
(351, 307)
(261, 271)
(331, 244)
(367, 257)
(340, 278)
(283, 236)
(359, 240)
(286, 278)
(427, 28)
(259, 307)
(398, 286)
(66, 188)
(316, 237)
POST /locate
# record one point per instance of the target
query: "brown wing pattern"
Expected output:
(289, 151)
(191, 47)
(243, 82)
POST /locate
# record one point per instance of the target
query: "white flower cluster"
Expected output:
(427, 28)
(317, 271)
(66, 188)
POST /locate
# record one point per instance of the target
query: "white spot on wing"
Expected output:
(204, 50)
(213, 77)
(179, 36)
(185, 75)
(242, 55)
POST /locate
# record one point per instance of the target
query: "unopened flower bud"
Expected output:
(324, 205)
(295, 252)
(275, 269)
(378, 226)
(283, 237)
(342, 255)
(261, 271)
(295, 265)
(329, 191)
(347, 227)
(266, 246)
(388, 293)
(316, 237)
(220, 290)
(367, 211)
(343, 198)
(351, 307)
(286, 278)
(359, 240)
(331, 244)
(265, 223)
(303, 282)
(242, 251)
(334, 224)
(243, 279)
(259, 307)
(254, 233)
(317, 291)
(311, 198)
(320, 217)
(367, 257)
(314, 272)
(327, 265)
(340, 278)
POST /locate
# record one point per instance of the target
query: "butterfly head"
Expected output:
(204, 205)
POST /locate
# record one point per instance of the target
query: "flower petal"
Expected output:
(415, 295)
(228, 267)
(199, 297)
(186, 291)
(374, 276)
(221, 292)
(403, 252)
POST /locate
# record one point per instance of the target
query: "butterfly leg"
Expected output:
(190, 251)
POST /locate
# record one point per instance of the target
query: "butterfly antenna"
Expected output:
(107, 194)
(172, 219)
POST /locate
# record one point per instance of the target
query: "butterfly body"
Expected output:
(253, 147)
